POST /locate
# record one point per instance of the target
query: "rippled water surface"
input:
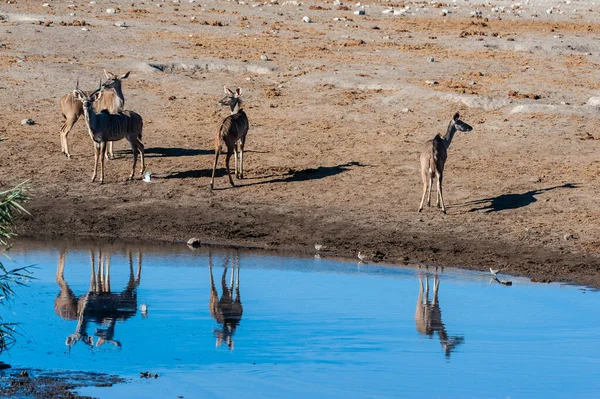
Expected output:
(275, 326)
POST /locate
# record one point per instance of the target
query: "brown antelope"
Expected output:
(433, 159)
(428, 316)
(99, 305)
(112, 101)
(228, 310)
(104, 127)
(232, 132)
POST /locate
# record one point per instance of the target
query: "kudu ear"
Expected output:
(109, 75)
(125, 76)
(95, 96)
(227, 91)
(238, 91)
(456, 116)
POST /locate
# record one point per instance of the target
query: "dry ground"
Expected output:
(338, 117)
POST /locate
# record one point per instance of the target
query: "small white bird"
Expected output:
(319, 247)
(148, 177)
(362, 257)
(494, 271)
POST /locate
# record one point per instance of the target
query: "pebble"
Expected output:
(28, 122)
(85, 29)
(307, 19)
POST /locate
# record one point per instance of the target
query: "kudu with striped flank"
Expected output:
(232, 132)
(113, 101)
(433, 158)
(105, 127)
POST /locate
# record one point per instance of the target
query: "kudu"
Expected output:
(232, 132)
(99, 305)
(105, 127)
(112, 101)
(428, 316)
(433, 159)
(228, 310)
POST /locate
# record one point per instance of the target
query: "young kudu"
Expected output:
(112, 101)
(105, 127)
(433, 159)
(232, 132)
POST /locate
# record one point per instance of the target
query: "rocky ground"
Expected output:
(339, 108)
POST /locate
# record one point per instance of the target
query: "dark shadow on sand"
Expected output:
(512, 201)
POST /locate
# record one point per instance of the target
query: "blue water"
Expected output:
(309, 327)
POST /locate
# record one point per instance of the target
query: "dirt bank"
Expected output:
(338, 115)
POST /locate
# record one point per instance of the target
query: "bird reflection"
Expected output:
(227, 311)
(428, 316)
(99, 305)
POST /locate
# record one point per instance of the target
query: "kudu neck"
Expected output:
(119, 100)
(236, 106)
(449, 134)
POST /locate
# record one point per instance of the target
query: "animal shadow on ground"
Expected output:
(308, 174)
(292, 176)
(512, 201)
(174, 152)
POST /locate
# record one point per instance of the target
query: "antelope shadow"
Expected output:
(318, 173)
(99, 305)
(512, 201)
(428, 316)
(226, 311)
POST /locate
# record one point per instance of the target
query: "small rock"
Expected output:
(121, 25)
(2, 45)
(194, 242)
(568, 237)
(406, 110)
(431, 82)
(264, 57)
(307, 19)
(359, 12)
(430, 59)
(28, 121)
(85, 29)
(111, 10)
(536, 180)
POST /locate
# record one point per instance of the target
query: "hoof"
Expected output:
(101, 181)
(420, 209)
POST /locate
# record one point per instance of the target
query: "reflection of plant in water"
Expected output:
(10, 201)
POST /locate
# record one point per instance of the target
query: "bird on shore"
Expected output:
(148, 177)
(494, 271)
(319, 247)
(362, 257)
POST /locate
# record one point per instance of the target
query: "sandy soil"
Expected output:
(338, 116)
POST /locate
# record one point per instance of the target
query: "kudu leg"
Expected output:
(101, 156)
(235, 157)
(141, 149)
(424, 194)
(242, 143)
(217, 152)
(96, 154)
(227, 158)
(429, 193)
(440, 193)
(134, 148)
(64, 133)
(110, 154)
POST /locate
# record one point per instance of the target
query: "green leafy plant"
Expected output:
(10, 202)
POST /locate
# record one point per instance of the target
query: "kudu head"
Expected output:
(86, 100)
(460, 125)
(232, 99)
(114, 81)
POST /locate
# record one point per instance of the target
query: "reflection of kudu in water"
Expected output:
(227, 311)
(428, 316)
(99, 305)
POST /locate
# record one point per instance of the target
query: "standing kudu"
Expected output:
(232, 132)
(227, 311)
(104, 127)
(433, 159)
(112, 101)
